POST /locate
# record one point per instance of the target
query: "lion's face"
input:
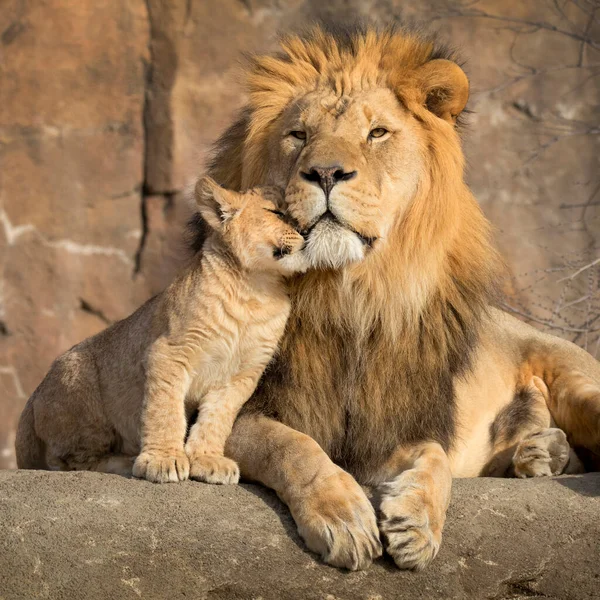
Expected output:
(357, 130)
(350, 166)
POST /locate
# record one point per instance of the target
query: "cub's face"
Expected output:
(253, 225)
(260, 235)
(350, 167)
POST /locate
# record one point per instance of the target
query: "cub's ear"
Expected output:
(446, 88)
(216, 204)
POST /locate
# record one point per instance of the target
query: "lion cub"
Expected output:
(201, 345)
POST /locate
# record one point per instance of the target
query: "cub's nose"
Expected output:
(297, 242)
(327, 177)
(289, 244)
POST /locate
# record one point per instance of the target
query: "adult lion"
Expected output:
(395, 366)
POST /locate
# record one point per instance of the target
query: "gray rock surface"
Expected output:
(91, 536)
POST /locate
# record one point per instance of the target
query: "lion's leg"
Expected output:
(162, 458)
(206, 441)
(524, 440)
(414, 503)
(573, 396)
(332, 513)
(545, 453)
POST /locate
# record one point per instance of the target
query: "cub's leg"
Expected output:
(216, 414)
(116, 464)
(332, 513)
(162, 458)
(414, 503)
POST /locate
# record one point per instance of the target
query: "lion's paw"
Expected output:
(162, 467)
(545, 453)
(336, 520)
(213, 468)
(409, 535)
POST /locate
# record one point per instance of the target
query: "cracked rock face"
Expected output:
(71, 148)
(92, 536)
(107, 112)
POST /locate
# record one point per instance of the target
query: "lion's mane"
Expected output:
(371, 352)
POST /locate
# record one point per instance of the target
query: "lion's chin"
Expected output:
(332, 246)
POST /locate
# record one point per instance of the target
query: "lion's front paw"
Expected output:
(213, 468)
(544, 453)
(410, 536)
(336, 520)
(162, 467)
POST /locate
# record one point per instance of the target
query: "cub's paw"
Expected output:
(162, 467)
(336, 520)
(544, 453)
(411, 535)
(213, 468)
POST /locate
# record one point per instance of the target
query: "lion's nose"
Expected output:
(327, 177)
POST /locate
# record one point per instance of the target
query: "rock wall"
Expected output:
(108, 109)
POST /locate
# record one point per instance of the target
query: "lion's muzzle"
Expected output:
(332, 245)
(329, 216)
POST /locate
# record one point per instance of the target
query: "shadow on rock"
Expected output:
(279, 509)
(585, 485)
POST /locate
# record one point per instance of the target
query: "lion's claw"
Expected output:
(409, 535)
(545, 453)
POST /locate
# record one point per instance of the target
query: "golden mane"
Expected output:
(416, 304)
(366, 57)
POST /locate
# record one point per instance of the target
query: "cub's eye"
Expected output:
(377, 132)
(275, 212)
(299, 135)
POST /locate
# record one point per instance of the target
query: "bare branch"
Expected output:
(471, 12)
(584, 268)
(548, 324)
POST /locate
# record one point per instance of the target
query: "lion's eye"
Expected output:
(299, 135)
(275, 212)
(378, 132)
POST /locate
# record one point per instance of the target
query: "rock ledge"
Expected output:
(92, 536)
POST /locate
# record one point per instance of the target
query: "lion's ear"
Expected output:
(446, 88)
(216, 204)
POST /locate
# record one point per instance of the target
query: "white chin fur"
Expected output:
(331, 246)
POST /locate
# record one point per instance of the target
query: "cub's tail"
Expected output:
(30, 449)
